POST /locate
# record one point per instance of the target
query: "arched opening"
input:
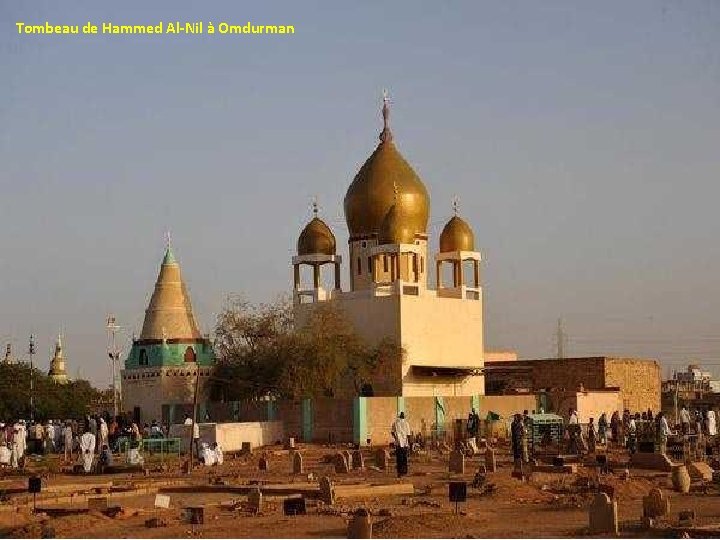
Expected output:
(366, 390)
(143, 360)
(189, 354)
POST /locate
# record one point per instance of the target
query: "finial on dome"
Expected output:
(315, 207)
(455, 204)
(386, 134)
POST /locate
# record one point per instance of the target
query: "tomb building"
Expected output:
(420, 295)
(159, 378)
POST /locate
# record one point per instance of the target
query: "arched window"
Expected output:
(189, 354)
(143, 360)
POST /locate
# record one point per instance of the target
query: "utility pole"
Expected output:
(194, 417)
(31, 352)
(114, 354)
(561, 339)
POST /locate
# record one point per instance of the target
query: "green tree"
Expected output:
(262, 351)
(51, 400)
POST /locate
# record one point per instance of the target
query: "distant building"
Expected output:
(160, 371)
(637, 380)
(693, 380)
(58, 371)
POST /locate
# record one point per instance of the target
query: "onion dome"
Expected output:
(316, 238)
(396, 228)
(169, 314)
(457, 236)
(371, 194)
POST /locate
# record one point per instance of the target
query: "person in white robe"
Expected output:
(219, 458)
(711, 423)
(87, 450)
(102, 434)
(5, 455)
(207, 455)
(19, 440)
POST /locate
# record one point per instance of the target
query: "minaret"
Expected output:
(57, 371)
(9, 359)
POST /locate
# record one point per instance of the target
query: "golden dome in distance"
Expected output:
(371, 194)
(316, 238)
(456, 235)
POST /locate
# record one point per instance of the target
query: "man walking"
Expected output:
(400, 431)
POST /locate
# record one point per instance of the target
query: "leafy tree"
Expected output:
(262, 351)
(51, 400)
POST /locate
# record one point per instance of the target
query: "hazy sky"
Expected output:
(581, 138)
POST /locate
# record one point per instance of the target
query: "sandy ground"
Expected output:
(548, 505)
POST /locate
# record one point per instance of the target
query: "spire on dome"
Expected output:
(386, 134)
(169, 256)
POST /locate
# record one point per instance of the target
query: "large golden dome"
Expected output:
(396, 228)
(371, 194)
(316, 238)
(457, 236)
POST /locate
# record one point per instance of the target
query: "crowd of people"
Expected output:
(90, 441)
(627, 429)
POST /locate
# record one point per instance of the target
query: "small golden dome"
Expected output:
(316, 238)
(396, 228)
(371, 194)
(457, 236)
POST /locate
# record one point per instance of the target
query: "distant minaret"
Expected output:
(57, 370)
(9, 359)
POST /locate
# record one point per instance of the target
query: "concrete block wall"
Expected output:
(638, 380)
(569, 373)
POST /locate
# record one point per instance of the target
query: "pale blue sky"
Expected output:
(581, 137)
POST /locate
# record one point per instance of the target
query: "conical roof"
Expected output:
(169, 314)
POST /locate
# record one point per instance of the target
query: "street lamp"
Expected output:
(31, 352)
(114, 354)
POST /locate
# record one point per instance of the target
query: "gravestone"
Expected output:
(490, 463)
(681, 479)
(457, 462)
(327, 490)
(297, 463)
(290, 443)
(655, 504)
(358, 462)
(294, 506)
(382, 458)
(341, 464)
(255, 501)
(348, 458)
(98, 504)
(603, 515)
(360, 525)
(686, 518)
(263, 464)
